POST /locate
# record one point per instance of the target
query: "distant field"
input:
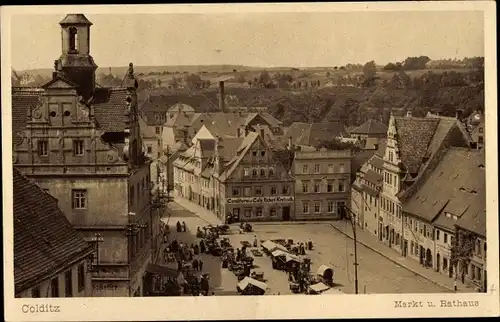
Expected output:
(231, 73)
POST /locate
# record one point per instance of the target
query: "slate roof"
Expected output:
(373, 177)
(181, 119)
(23, 100)
(311, 134)
(44, 240)
(207, 147)
(370, 127)
(414, 137)
(75, 19)
(147, 131)
(242, 150)
(109, 108)
(377, 162)
(457, 185)
(381, 148)
(181, 107)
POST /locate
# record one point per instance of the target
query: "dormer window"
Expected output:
(73, 40)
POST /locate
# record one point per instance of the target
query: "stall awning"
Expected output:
(291, 257)
(278, 253)
(161, 270)
(333, 291)
(322, 269)
(250, 281)
(319, 287)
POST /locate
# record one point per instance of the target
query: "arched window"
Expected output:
(73, 40)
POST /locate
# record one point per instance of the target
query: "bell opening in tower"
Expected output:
(73, 40)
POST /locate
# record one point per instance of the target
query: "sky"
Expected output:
(306, 39)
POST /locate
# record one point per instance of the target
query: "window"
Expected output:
(79, 197)
(317, 207)
(78, 147)
(445, 237)
(341, 185)
(262, 153)
(43, 148)
(35, 292)
(473, 271)
(247, 212)
(445, 263)
(68, 284)
(330, 168)
(331, 206)
(272, 212)
(246, 172)
(412, 246)
(480, 139)
(158, 130)
(150, 149)
(437, 234)
(329, 186)
(305, 187)
(258, 212)
(247, 191)
(131, 196)
(316, 186)
(480, 130)
(285, 190)
(305, 207)
(305, 168)
(236, 191)
(341, 168)
(316, 168)
(271, 172)
(254, 172)
(262, 172)
(254, 153)
(258, 191)
(54, 287)
(81, 277)
(273, 191)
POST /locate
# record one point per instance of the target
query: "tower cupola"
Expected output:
(76, 63)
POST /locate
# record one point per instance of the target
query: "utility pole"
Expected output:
(351, 216)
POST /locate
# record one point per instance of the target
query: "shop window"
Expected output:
(305, 207)
(258, 212)
(247, 212)
(236, 192)
(273, 212)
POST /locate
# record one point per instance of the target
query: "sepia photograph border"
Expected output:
(255, 307)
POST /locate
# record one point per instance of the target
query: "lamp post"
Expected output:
(351, 216)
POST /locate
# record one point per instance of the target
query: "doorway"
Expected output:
(438, 262)
(380, 227)
(405, 248)
(236, 214)
(286, 213)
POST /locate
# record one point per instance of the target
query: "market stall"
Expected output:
(250, 286)
(326, 274)
(317, 288)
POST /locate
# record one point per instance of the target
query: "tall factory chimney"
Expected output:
(221, 97)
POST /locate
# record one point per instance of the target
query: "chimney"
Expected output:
(408, 114)
(221, 96)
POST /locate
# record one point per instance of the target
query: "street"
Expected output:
(376, 274)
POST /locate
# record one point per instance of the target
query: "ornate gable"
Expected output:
(59, 82)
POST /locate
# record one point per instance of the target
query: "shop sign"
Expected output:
(259, 200)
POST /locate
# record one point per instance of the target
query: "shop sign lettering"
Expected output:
(259, 200)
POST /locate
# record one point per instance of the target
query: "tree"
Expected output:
(241, 79)
(264, 78)
(370, 70)
(462, 248)
(194, 81)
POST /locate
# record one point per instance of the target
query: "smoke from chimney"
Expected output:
(221, 96)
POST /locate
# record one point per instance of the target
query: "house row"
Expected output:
(253, 179)
(425, 183)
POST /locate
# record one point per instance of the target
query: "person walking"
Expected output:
(455, 286)
(200, 265)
